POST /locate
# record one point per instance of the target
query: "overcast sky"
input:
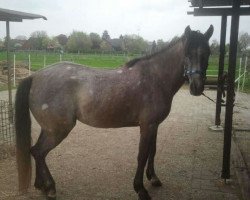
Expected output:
(151, 19)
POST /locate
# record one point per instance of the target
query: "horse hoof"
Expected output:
(143, 195)
(155, 181)
(38, 185)
(51, 195)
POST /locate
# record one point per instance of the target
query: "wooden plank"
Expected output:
(208, 3)
(219, 11)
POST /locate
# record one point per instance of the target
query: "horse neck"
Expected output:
(169, 67)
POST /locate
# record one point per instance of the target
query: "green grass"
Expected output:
(93, 60)
(99, 60)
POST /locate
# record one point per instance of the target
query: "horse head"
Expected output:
(197, 53)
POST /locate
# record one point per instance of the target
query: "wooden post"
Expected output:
(220, 86)
(29, 65)
(14, 70)
(9, 70)
(44, 61)
(230, 90)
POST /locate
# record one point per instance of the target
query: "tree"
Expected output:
(243, 42)
(105, 35)
(105, 46)
(21, 37)
(38, 40)
(1, 44)
(53, 44)
(79, 41)
(11, 43)
(153, 48)
(135, 44)
(62, 39)
(96, 40)
(160, 44)
(215, 47)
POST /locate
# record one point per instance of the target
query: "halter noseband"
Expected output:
(193, 71)
(190, 72)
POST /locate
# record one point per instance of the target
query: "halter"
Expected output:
(190, 72)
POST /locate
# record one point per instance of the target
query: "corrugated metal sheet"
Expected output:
(17, 16)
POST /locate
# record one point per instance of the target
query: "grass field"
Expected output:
(41, 59)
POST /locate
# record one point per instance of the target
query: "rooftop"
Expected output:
(17, 16)
(212, 3)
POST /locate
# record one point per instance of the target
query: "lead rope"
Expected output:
(208, 97)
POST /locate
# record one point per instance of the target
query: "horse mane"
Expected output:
(132, 62)
(194, 36)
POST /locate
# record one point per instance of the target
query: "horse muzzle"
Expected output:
(196, 79)
(196, 85)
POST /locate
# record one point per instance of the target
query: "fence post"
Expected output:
(44, 61)
(244, 76)
(60, 57)
(14, 70)
(238, 85)
(29, 64)
(238, 80)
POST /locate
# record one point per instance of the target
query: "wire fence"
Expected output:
(7, 128)
(240, 81)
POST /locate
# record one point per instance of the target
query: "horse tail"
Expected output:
(23, 134)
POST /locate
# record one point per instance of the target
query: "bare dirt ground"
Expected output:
(97, 164)
(21, 71)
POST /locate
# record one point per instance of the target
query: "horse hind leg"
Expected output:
(39, 157)
(45, 143)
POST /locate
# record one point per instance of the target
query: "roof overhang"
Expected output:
(218, 8)
(209, 3)
(17, 16)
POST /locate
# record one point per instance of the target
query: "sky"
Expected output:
(151, 19)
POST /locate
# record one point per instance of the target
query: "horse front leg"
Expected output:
(146, 134)
(150, 172)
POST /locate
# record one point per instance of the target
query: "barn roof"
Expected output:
(208, 3)
(17, 16)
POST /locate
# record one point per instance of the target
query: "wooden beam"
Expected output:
(207, 3)
(10, 20)
(219, 11)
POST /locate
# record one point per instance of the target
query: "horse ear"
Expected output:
(209, 32)
(187, 31)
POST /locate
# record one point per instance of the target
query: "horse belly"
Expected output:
(107, 116)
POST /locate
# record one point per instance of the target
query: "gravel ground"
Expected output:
(95, 164)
